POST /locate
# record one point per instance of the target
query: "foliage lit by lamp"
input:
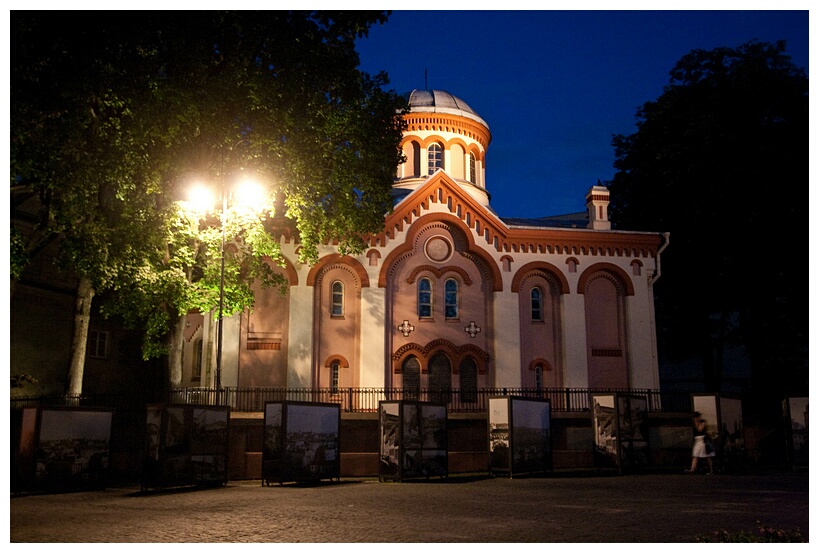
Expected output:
(247, 195)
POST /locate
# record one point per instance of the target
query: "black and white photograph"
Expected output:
(208, 431)
(312, 440)
(433, 424)
(531, 435)
(73, 447)
(301, 442)
(605, 430)
(413, 419)
(731, 429)
(796, 413)
(499, 454)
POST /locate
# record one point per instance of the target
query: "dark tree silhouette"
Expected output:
(720, 160)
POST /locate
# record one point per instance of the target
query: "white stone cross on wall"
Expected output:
(472, 329)
(405, 328)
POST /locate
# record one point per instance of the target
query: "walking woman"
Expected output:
(703, 449)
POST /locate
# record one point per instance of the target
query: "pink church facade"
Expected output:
(451, 296)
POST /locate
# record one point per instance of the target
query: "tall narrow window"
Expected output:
(337, 309)
(334, 372)
(435, 156)
(196, 370)
(451, 299)
(470, 176)
(425, 298)
(539, 377)
(537, 304)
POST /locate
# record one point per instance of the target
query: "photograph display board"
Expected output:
(185, 445)
(620, 425)
(413, 437)
(604, 425)
(795, 410)
(723, 423)
(63, 448)
(301, 442)
(519, 435)
(632, 430)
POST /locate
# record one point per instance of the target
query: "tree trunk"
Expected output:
(176, 341)
(82, 319)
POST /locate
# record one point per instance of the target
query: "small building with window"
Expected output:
(451, 296)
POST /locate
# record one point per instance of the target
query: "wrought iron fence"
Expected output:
(366, 400)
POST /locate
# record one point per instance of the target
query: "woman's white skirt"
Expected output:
(699, 448)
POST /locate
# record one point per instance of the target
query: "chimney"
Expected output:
(597, 204)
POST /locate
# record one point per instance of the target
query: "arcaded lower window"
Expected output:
(411, 376)
(451, 299)
(435, 156)
(425, 298)
(440, 378)
(337, 308)
(468, 371)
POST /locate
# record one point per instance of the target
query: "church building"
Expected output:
(450, 295)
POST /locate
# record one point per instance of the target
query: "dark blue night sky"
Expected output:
(555, 86)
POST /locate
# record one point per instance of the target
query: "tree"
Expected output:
(170, 96)
(720, 160)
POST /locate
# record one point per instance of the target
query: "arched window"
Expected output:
(337, 304)
(468, 371)
(335, 370)
(440, 378)
(425, 298)
(539, 376)
(470, 168)
(451, 299)
(435, 157)
(537, 304)
(411, 371)
(412, 167)
(196, 373)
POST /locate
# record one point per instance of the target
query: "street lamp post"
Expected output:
(248, 195)
(219, 330)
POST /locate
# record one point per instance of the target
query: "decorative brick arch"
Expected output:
(289, 270)
(541, 266)
(613, 270)
(342, 362)
(331, 259)
(424, 353)
(542, 362)
(417, 227)
(439, 273)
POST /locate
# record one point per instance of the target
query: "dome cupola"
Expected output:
(443, 133)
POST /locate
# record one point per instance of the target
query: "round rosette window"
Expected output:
(438, 249)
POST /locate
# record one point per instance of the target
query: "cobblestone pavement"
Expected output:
(657, 508)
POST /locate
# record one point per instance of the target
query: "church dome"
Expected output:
(440, 101)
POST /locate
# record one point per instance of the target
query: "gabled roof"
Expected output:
(546, 235)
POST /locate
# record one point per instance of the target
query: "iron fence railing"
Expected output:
(366, 400)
